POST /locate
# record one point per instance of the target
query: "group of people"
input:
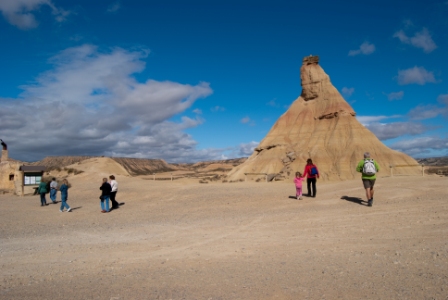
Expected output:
(44, 188)
(368, 167)
(108, 192)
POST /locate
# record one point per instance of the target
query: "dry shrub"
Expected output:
(203, 181)
(437, 170)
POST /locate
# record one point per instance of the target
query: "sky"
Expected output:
(189, 81)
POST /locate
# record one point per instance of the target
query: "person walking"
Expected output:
(42, 190)
(311, 172)
(105, 195)
(298, 183)
(113, 193)
(368, 167)
(53, 190)
(64, 196)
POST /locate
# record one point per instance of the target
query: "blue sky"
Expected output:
(200, 80)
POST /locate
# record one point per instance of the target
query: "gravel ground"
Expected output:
(185, 240)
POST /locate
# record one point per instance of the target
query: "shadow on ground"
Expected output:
(354, 200)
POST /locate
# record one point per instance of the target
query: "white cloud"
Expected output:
(20, 12)
(417, 75)
(421, 39)
(421, 145)
(347, 91)
(245, 120)
(366, 120)
(217, 108)
(396, 129)
(197, 111)
(273, 103)
(246, 149)
(91, 104)
(395, 95)
(114, 7)
(443, 99)
(366, 48)
(423, 112)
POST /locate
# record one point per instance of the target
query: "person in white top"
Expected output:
(53, 190)
(114, 185)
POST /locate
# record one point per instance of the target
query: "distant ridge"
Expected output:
(53, 162)
(434, 161)
(136, 166)
(144, 166)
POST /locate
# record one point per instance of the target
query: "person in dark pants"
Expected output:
(64, 196)
(113, 193)
(42, 190)
(311, 172)
(105, 195)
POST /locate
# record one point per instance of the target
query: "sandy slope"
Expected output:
(185, 240)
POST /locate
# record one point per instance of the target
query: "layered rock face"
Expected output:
(322, 126)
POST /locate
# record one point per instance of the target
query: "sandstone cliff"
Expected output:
(322, 126)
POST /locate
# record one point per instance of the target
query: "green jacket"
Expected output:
(361, 166)
(42, 188)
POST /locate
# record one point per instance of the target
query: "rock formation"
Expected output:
(322, 126)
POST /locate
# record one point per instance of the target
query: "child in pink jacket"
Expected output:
(298, 182)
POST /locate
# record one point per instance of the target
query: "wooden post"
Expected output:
(423, 170)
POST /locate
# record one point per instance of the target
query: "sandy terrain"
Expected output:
(185, 240)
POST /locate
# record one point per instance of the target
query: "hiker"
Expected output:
(114, 185)
(64, 196)
(311, 172)
(105, 194)
(42, 190)
(298, 182)
(53, 189)
(368, 167)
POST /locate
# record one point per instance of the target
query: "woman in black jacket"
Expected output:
(105, 195)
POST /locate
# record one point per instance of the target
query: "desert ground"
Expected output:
(248, 240)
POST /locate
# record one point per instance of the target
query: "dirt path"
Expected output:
(183, 240)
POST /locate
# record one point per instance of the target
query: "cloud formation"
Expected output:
(417, 75)
(366, 120)
(273, 103)
(395, 95)
(114, 7)
(366, 48)
(217, 108)
(246, 149)
(245, 120)
(90, 104)
(347, 91)
(20, 12)
(421, 145)
(396, 129)
(421, 39)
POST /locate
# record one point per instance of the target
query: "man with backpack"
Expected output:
(368, 167)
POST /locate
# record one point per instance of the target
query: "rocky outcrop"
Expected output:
(320, 125)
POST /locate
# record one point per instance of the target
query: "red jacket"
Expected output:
(307, 171)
